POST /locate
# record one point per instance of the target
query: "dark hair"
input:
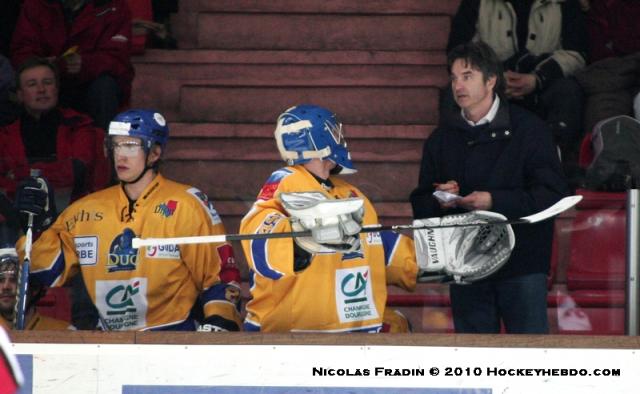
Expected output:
(36, 62)
(481, 57)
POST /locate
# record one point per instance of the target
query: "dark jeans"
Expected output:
(100, 99)
(519, 302)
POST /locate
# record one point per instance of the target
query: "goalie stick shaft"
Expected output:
(550, 212)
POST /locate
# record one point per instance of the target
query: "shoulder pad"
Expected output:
(207, 204)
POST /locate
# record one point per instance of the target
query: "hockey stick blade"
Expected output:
(555, 209)
(548, 213)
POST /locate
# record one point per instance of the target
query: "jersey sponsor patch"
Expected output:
(354, 295)
(269, 223)
(374, 239)
(163, 252)
(122, 256)
(86, 250)
(271, 185)
(206, 204)
(166, 209)
(122, 303)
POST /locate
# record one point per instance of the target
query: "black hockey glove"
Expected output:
(34, 197)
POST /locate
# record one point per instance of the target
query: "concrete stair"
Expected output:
(314, 25)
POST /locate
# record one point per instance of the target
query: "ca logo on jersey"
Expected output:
(354, 296)
(120, 298)
(122, 256)
(123, 304)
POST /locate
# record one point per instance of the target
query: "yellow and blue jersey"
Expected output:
(337, 292)
(147, 288)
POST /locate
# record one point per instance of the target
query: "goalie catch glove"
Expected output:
(462, 254)
(334, 224)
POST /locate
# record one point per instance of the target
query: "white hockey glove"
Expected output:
(335, 224)
(462, 254)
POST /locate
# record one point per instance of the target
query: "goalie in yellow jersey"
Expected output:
(335, 280)
(138, 289)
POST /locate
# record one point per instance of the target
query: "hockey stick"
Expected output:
(548, 213)
(23, 279)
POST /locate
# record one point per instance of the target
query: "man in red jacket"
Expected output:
(62, 143)
(89, 41)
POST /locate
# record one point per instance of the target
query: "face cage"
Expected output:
(5, 261)
(335, 129)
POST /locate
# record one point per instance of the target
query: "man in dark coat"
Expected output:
(498, 157)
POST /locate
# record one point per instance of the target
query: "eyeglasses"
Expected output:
(126, 148)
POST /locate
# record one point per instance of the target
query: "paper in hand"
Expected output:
(445, 197)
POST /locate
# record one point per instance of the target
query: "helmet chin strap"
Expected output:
(144, 171)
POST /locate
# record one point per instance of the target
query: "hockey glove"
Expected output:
(334, 224)
(462, 254)
(34, 197)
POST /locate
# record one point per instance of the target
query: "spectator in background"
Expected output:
(612, 79)
(613, 28)
(90, 42)
(64, 144)
(541, 45)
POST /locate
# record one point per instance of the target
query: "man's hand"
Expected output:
(519, 85)
(449, 187)
(476, 200)
(73, 62)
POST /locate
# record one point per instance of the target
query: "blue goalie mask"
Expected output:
(148, 125)
(308, 132)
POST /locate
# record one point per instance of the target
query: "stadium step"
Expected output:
(328, 6)
(309, 24)
(247, 86)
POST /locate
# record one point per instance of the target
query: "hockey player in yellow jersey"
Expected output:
(9, 287)
(335, 280)
(148, 288)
